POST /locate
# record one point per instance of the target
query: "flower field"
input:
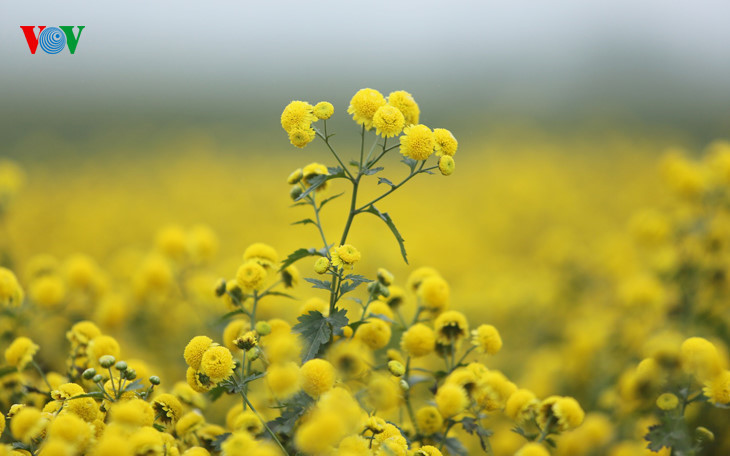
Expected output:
(389, 288)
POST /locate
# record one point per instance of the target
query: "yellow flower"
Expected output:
(248, 421)
(147, 441)
(429, 420)
(295, 176)
(564, 412)
(321, 265)
(416, 278)
(667, 401)
(2, 423)
(20, 353)
(388, 121)
(532, 449)
(451, 400)
(238, 443)
(320, 433)
(28, 424)
(82, 332)
(70, 429)
(251, 276)
(344, 256)
(717, 389)
(188, 423)
(700, 358)
(450, 326)
(417, 142)
(521, 406)
(363, 106)
(103, 345)
(317, 376)
(406, 104)
(262, 253)
(133, 413)
(418, 340)
(447, 165)
(445, 143)
(375, 333)
(396, 296)
(194, 350)
(352, 358)
(283, 379)
(383, 393)
(300, 137)
(313, 170)
(297, 114)
(434, 293)
(167, 408)
(217, 363)
(487, 339)
(324, 110)
(199, 382)
(11, 294)
(48, 291)
(427, 450)
(234, 330)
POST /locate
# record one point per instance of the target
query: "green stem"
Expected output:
(266, 426)
(396, 187)
(43, 375)
(326, 141)
(465, 355)
(446, 433)
(407, 398)
(319, 222)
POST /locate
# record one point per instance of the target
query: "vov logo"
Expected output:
(52, 39)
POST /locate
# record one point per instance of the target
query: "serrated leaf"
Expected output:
(93, 394)
(382, 180)
(316, 330)
(314, 183)
(370, 172)
(304, 222)
(215, 393)
(322, 284)
(389, 221)
(298, 255)
(218, 441)
(357, 278)
(335, 172)
(327, 200)
(671, 432)
(134, 386)
(455, 447)
(279, 293)
(472, 426)
(346, 287)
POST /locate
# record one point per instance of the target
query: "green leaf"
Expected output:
(216, 445)
(671, 432)
(314, 183)
(215, 393)
(327, 200)
(455, 447)
(316, 330)
(335, 172)
(472, 426)
(94, 394)
(298, 255)
(304, 222)
(321, 284)
(357, 278)
(411, 163)
(134, 386)
(279, 293)
(382, 180)
(370, 172)
(389, 221)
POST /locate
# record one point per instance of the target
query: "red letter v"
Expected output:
(30, 36)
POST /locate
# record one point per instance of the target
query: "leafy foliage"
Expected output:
(389, 221)
(317, 330)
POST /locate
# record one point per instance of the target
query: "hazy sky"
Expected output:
(145, 53)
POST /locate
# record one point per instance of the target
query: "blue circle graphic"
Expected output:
(52, 40)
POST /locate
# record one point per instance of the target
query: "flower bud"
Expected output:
(702, 434)
(89, 373)
(396, 368)
(447, 165)
(130, 374)
(403, 385)
(220, 287)
(121, 366)
(97, 378)
(155, 380)
(107, 361)
(321, 265)
(295, 176)
(295, 192)
(385, 277)
(263, 328)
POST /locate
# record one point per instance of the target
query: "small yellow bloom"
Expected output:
(194, 350)
(487, 339)
(388, 121)
(251, 276)
(297, 114)
(321, 265)
(417, 142)
(445, 143)
(700, 358)
(447, 165)
(324, 110)
(262, 253)
(450, 326)
(532, 449)
(363, 106)
(451, 400)
(167, 408)
(300, 137)
(375, 333)
(717, 389)
(283, 379)
(667, 401)
(317, 376)
(406, 104)
(427, 450)
(344, 256)
(217, 363)
(20, 352)
(521, 406)
(11, 294)
(28, 424)
(429, 420)
(434, 293)
(564, 412)
(418, 340)
(103, 345)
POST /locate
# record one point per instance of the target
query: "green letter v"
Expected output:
(72, 40)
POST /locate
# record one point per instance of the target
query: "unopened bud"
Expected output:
(396, 368)
(295, 192)
(321, 265)
(155, 380)
(89, 373)
(220, 287)
(121, 366)
(107, 361)
(263, 328)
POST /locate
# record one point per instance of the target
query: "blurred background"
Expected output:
(168, 116)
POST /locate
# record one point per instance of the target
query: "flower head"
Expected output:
(417, 142)
(363, 106)
(297, 114)
(418, 340)
(450, 326)
(717, 389)
(406, 104)
(11, 294)
(445, 143)
(388, 121)
(344, 256)
(300, 137)
(323, 110)
(217, 363)
(317, 377)
(251, 275)
(20, 353)
(487, 339)
(447, 165)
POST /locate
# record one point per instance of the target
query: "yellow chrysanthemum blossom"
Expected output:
(167, 408)
(667, 401)
(532, 449)
(418, 340)
(317, 376)
(313, 170)
(28, 424)
(429, 420)
(434, 293)
(300, 137)
(564, 412)
(251, 276)
(297, 114)
(82, 332)
(406, 104)
(447, 165)
(417, 142)
(194, 350)
(427, 450)
(487, 339)
(717, 389)
(217, 363)
(451, 400)
(445, 143)
(283, 379)
(521, 406)
(103, 345)
(388, 121)
(344, 256)
(133, 413)
(323, 110)
(11, 293)
(375, 333)
(700, 358)
(47, 291)
(363, 106)
(450, 326)
(20, 352)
